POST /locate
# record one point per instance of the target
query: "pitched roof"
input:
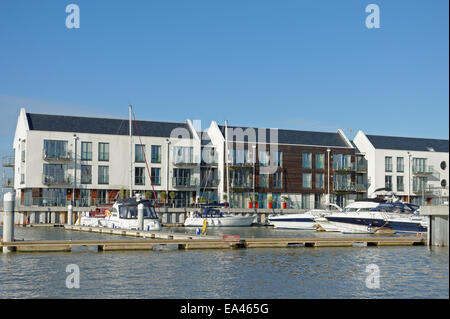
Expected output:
(92, 125)
(295, 137)
(408, 143)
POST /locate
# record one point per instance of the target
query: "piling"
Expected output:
(8, 224)
(69, 214)
(141, 216)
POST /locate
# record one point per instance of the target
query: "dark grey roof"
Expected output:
(408, 143)
(92, 125)
(297, 137)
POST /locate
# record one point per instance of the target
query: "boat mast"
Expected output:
(131, 154)
(226, 161)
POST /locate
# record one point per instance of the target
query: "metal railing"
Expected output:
(8, 161)
(7, 182)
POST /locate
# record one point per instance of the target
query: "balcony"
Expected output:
(347, 187)
(341, 169)
(361, 188)
(184, 162)
(361, 168)
(8, 161)
(184, 182)
(422, 170)
(8, 182)
(210, 183)
(56, 180)
(245, 184)
(63, 156)
(426, 189)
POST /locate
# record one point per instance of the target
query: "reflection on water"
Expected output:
(405, 272)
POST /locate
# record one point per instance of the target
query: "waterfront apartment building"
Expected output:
(58, 159)
(47, 148)
(415, 169)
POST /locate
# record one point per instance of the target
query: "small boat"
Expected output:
(124, 215)
(216, 218)
(304, 221)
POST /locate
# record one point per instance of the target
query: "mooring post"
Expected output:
(141, 216)
(8, 220)
(69, 214)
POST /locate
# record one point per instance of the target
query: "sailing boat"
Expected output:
(211, 213)
(124, 212)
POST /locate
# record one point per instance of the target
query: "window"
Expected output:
(86, 151)
(306, 201)
(139, 176)
(320, 161)
(139, 156)
(419, 183)
(388, 164)
(55, 150)
(55, 174)
(156, 175)
(320, 181)
(306, 160)
(419, 165)
(278, 159)
(277, 180)
(443, 165)
(240, 157)
(183, 155)
(388, 182)
(156, 153)
(307, 182)
(240, 178)
(342, 162)
(103, 175)
(400, 164)
(86, 174)
(263, 158)
(264, 180)
(103, 152)
(342, 182)
(400, 185)
(183, 177)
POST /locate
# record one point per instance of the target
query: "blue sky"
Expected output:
(307, 65)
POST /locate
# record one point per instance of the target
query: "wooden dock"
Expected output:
(180, 243)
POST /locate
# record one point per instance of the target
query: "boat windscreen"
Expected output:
(149, 212)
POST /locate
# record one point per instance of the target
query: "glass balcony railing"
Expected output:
(8, 161)
(8, 182)
(60, 156)
(184, 182)
(56, 179)
(422, 169)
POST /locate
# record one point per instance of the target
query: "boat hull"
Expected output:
(227, 221)
(132, 224)
(303, 221)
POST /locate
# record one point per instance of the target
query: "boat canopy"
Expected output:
(396, 207)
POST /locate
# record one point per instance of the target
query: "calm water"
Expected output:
(405, 272)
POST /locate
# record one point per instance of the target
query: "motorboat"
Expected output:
(124, 215)
(373, 215)
(304, 221)
(214, 217)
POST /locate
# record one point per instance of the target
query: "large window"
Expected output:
(139, 153)
(277, 158)
(264, 180)
(56, 174)
(263, 158)
(342, 182)
(156, 153)
(419, 183)
(388, 182)
(400, 185)
(86, 151)
(86, 174)
(278, 180)
(320, 161)
(419, 165)
(183, 155)
(103, 175)
(103, 152)
(388, 164)
(55, 150)
(400, 164)
(306, 160)
(320, 181)
(139, 176)
(240, 157)
(342, 162)
(156, 175)
(307, 180)
(240, 178)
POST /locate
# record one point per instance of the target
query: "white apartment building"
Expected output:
(47, 148)
(416, 169)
